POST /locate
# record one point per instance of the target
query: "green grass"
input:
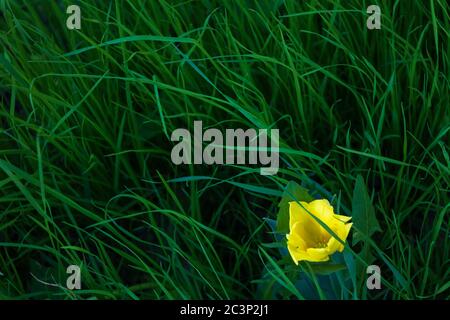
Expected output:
(85, 170)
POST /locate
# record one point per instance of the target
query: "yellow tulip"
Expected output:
(307, 239)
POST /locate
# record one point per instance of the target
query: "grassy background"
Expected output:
(85, 170)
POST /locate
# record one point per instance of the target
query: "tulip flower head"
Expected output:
(310, 241)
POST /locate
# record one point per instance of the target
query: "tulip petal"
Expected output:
(295, 238)
(308, 239)
(334, 244)
(323, 211)
(342, 218)
(297, 212)
(344, 235)
(298, 255)
(304, 212)
(318, 254)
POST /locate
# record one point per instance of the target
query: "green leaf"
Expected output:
(327, 268)
(135, 38)
(275, 245)
(363, 212)
(292, 192)
(444, 288)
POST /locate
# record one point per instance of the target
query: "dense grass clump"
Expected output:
(86, 116)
